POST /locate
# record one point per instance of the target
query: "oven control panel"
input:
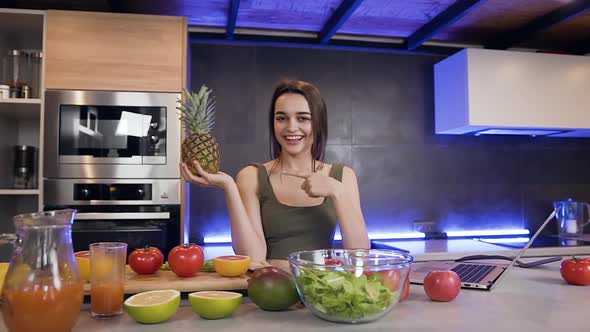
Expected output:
(65, 192)
(113, 191)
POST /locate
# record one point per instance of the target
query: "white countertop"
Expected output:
(534, 300)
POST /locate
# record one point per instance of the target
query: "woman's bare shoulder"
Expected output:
(248, 172)
(248, 176)
(347, 169)
(247, 180)
(348, 175)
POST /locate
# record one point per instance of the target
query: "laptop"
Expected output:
(473, 275)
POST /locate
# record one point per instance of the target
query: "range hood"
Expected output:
(480, 91)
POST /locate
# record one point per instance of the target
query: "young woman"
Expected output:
(294, 201)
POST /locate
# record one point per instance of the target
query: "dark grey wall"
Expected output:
(381, 123)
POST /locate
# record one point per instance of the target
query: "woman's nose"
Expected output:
(292, 124)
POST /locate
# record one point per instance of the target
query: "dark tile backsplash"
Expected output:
(381, 123)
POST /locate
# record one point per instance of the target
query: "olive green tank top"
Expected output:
(288, 229)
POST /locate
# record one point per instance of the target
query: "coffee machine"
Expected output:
(24, 170)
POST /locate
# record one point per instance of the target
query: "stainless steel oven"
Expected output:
(104, 134)
(138, 212)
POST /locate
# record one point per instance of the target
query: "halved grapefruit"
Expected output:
(214, 304)
(83, 260)
(231, 266)
(153, 306)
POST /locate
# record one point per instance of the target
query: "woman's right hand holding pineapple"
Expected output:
(219, 179)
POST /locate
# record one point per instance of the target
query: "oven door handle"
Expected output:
(121, 215)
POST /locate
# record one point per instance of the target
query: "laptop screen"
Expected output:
(551, 215)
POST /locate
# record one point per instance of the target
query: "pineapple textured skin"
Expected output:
(202, 148)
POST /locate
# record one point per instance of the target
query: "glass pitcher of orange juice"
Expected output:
(42, 289)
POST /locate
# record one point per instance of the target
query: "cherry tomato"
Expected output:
(331, 261)
(576, 271)
(146, 260)
(186, 260)
(442, 286)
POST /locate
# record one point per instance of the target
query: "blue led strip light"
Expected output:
(397, 236)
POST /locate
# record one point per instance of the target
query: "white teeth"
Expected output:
(293, 137)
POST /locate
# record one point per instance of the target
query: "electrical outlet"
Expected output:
(424, 226)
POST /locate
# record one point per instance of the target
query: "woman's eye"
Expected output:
(279, 118)
(304, 118)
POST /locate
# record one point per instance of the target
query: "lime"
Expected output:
(153, 306)
(214, 304)
(231, 266)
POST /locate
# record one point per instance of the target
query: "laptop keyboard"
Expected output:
(473, 273)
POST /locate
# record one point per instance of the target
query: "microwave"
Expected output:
(105, 134)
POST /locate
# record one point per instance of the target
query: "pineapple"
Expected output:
(197, 112)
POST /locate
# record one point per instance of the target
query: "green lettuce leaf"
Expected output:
(343, 295)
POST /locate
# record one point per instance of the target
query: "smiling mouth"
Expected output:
(293, 137)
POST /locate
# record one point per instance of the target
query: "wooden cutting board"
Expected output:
(136, 283)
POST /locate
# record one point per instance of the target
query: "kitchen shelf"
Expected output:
(19, 191)
(20, 108)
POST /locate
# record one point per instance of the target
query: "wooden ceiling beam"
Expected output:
(561, 14)
(340, 15)
(307, 43)
(232, 18)
(445, 18)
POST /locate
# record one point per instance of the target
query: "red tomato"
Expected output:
(442, 286)
(331, 261)
(576, 271)
(391, 279)
(147, 260)
(186, 260)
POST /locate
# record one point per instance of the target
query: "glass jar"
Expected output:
(35, 63)
(4, 91)
(14, 69)
(42, 289)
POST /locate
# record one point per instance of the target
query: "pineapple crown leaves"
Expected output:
(197, 111)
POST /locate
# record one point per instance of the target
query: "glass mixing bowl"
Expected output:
(350, 285)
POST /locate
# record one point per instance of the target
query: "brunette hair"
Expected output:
(319, 117)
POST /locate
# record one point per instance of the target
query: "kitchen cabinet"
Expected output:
(117, 52)
(82, 51)
(20, 121)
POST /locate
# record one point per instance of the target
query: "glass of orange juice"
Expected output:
(107, 278)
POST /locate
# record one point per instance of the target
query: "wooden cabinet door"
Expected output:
(120, 52)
